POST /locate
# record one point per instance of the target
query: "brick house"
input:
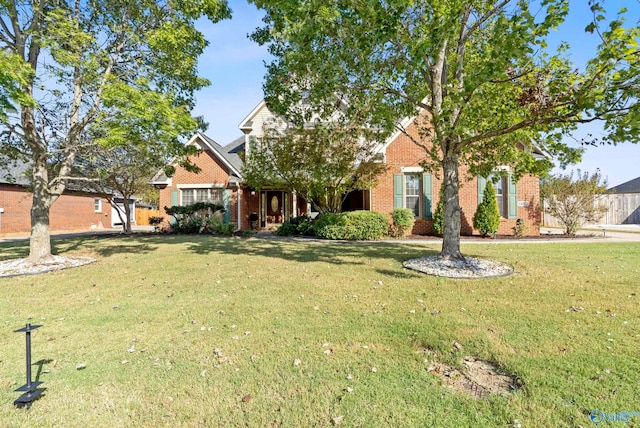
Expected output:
(403, 185)
(218, 181)
(73, 210)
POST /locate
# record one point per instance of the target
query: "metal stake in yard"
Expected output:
(30, 388)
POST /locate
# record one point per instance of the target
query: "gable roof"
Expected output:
(228, 155)
(231, 160)
(631, 186)
(247, 122)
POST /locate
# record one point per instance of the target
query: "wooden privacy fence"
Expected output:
(622, 208)
(142, 216)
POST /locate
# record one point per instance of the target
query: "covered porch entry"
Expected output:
(278, 206)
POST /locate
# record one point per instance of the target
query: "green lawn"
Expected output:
(216, 324)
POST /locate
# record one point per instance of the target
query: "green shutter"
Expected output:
(427, 196)
(175, 201)
(398, 191)
(482, 183)
(226, 202)
(512, 195)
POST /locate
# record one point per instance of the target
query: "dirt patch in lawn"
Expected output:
(480, 378)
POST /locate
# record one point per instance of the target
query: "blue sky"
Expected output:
(235, 66)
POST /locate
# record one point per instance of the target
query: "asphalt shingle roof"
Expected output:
(631, 186)
(14, 172)
(226, 152)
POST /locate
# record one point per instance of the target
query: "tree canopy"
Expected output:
(322, 162)
(86, 62)
(478, 76)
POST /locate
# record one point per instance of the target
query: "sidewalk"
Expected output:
(591, 233)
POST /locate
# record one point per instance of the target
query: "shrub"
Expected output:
(191, 225)
(438, 216)
(155, 222)
(193, 218)
(216, 226)
(286, 229)
(353, 225)
(403, 221)
(574, 200)
(328, 225)
(304, 225)
(306, 228)
(301, 225)
(487, 216)
(520, 228)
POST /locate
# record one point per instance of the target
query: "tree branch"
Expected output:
(411, 137)
(7, 37)
(483, 19)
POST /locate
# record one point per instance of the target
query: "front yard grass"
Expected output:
(202, 331)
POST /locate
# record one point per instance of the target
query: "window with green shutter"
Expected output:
(415, 192)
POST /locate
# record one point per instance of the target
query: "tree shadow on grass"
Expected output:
(306, 250)
(105, 245)
(14, 250)
(102, 245)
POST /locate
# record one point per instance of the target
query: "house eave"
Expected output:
(247, 123)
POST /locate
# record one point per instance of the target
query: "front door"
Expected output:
(274, 207)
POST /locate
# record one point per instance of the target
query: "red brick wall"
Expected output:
(72, 211)
(76, 211)
(16, 203)
(250, 204)
(402, 152)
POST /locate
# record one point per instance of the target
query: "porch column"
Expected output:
(294, 203)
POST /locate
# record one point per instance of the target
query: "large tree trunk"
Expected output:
(127, 214)
(451, 236)
(40, 242)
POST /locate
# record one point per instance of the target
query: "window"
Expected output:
(97, 205)
(499, 185)
(412, 193)
(191, 196)
(412, 190)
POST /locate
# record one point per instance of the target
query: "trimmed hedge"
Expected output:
(353, 226)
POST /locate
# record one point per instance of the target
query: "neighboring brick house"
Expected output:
(404, 184)
(73, 210)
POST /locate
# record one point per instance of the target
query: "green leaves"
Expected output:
(323, 162)
(115, 81)
(14, 74)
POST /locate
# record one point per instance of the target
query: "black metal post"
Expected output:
(30, 388)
